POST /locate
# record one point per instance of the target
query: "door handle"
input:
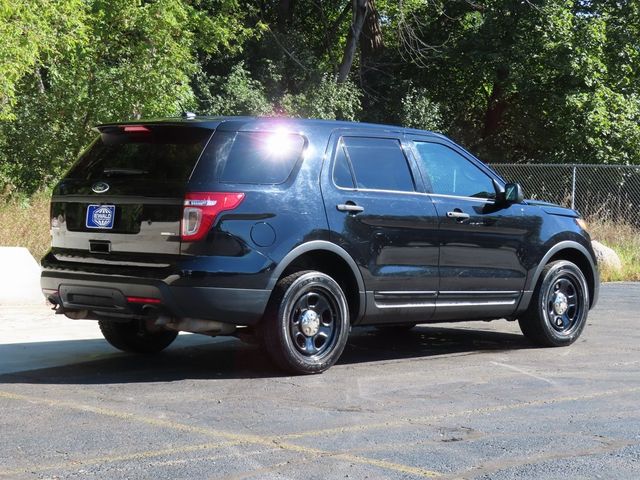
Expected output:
(350, 207)
(458, 215)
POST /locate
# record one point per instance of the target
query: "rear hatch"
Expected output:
(123, 199)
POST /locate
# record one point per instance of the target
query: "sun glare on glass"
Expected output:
(279, 143)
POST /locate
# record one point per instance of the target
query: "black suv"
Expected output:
(297, 230)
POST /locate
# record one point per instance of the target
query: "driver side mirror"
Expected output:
(513, 193)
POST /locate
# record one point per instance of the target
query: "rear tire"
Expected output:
(559, 307)
(134, 337)
(306, 326)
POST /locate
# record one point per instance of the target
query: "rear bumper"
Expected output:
(124, 296)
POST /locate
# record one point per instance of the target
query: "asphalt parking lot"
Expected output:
(472, 400)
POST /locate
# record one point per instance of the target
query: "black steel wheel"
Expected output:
(558, 310)
(306, 325)
(134, 337)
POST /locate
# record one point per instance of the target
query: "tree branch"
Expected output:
(360, 10)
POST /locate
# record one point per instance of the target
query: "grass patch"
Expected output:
(24, 222)
(625, 240)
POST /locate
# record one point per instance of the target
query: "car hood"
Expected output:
(553, 208)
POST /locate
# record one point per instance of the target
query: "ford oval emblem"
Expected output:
(100, 187)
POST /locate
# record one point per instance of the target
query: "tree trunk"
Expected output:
(330, 32)
(371, 37)
(285, 13)
(497, 103)
(360, 10)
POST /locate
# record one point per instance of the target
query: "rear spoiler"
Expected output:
(115, 128)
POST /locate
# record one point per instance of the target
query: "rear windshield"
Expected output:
(250, 157)
(166, 153)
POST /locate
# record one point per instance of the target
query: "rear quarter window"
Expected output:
(250, 157)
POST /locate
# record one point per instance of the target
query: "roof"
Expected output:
(251, 123)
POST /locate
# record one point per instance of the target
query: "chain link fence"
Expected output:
(609, 192)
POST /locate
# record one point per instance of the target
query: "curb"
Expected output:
(19, 277)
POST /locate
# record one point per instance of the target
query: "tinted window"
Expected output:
(379, 163)
(452, 174)
(341, 170)
(152, 153)
(250, 157)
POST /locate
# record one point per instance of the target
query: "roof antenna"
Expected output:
(185, 113)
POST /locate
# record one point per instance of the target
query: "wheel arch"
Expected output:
(328, 258)
(575, 253)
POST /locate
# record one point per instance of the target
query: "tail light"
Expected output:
(201, 209)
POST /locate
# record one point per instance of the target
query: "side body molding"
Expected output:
(322, 245)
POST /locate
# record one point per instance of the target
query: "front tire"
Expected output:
(134, 337)
(306, 325)
(558, 310)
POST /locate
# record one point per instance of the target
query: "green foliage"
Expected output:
(530, 81)
(419, 111)
(538, 81)
(135, 59)
(25, 223)
(326, 99)
(233, 94)
(29, 31)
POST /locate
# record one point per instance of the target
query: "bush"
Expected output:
(419, 111)
(324, 99)
(25, 223)
(234, 94)
(625, 240)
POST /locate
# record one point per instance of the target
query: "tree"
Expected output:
(360, 11)
(30, 31)
(528, 81)
(134, 59)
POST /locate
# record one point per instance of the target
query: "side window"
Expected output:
(452, 174)
(341, 170)
(250, 157)
(377, 163)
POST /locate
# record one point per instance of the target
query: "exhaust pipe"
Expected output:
(72, 314)
(195, 325)
(77, 314)
(159, 319)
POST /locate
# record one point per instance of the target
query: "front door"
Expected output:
(482, 243)
(378, 215)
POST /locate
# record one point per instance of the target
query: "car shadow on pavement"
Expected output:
(370, 345)
(74, 361)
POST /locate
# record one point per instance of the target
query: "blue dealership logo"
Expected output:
(100, 216)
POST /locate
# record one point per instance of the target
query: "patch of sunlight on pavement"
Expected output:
(34, 337)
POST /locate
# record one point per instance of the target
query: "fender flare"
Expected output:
(321, 245)
(558, 247)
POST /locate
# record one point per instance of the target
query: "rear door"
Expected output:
(125, 193)
(378, 214)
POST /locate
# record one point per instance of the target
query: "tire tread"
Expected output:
(532, 325)
(270, 330)
(126, 337)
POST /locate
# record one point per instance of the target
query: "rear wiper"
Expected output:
(124, 171)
